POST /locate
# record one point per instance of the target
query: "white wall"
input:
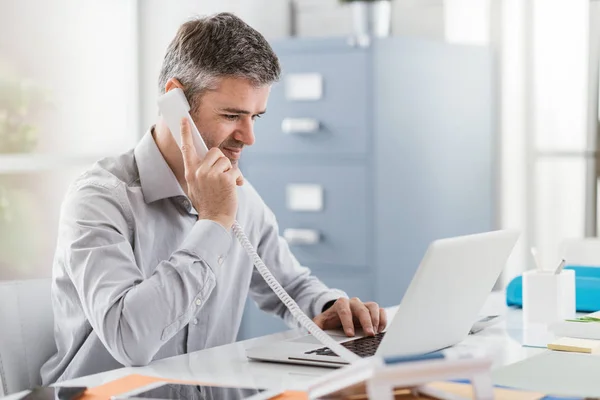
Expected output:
(513, 123)
(467, 21)
(422, 18)
(560, 114)
(504, 25)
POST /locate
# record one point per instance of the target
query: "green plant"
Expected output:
(19, 102)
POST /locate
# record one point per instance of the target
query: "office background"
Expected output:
(78, 82)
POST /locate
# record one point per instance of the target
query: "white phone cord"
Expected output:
(306, 322)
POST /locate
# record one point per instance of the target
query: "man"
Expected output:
(145, 266)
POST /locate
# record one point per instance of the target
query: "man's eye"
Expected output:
(256, 116)
(231, 117)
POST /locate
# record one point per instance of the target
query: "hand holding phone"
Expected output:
(211, 181)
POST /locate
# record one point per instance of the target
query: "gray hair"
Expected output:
(222, 45)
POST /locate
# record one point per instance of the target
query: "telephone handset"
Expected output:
(174, 107)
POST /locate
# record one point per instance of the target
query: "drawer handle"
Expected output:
(300, 125)
(301, 236)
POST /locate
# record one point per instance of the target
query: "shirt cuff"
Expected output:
(209, 241)
(324, 298)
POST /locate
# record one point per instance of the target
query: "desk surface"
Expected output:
(228, 365)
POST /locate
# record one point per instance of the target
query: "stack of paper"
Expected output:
(586, 327)
(579, 335)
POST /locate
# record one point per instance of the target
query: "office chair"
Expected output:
(26, 333)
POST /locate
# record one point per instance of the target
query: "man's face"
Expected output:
(225, 116)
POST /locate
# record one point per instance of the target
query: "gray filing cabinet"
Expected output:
(367, 154)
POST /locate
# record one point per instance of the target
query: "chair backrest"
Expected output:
(26, 333)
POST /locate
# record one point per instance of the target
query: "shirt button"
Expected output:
(198, 302)
(220, 260)
(186, 204)
(195, 321)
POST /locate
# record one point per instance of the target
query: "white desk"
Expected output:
(228, 365)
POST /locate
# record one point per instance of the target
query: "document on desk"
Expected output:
(585, 327)
(556, 373)
(132, 382)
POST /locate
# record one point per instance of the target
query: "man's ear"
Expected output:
(172, 84)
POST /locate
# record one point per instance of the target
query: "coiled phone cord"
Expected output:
(288, 301)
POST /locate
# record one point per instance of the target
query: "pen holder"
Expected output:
(548, 297)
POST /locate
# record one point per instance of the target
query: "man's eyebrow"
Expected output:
(240, 111)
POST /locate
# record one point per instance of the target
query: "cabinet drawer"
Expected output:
(336, 233)
(336, 123)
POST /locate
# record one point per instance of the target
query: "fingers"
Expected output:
(211, 158)
(190, 158)
(374, 312)
(382, 319)
(222, 164)
(215, 161)
(319, 320)
(236, 175)
(345, 315)
(362, 314)
(240, 180)
(371, 317)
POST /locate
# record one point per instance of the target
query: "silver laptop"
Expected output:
(438, 309)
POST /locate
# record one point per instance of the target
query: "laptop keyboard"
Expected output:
(363, 347)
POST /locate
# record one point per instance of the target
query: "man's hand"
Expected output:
(211, 182)
(353, 313)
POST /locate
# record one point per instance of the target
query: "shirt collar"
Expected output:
(156, 178)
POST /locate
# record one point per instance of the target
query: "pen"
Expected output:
(535, 259)
(560, 267)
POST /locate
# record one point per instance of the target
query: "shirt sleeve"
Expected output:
(133, 315)
(306, 289)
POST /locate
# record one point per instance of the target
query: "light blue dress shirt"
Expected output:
(136, 277)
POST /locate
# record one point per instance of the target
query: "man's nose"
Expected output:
(245, 133)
